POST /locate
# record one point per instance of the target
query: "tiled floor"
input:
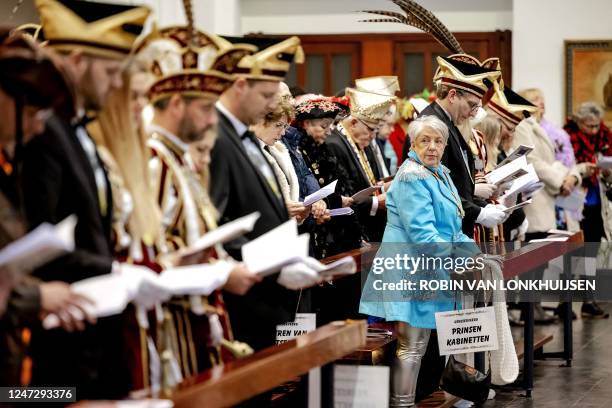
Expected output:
(587, 384)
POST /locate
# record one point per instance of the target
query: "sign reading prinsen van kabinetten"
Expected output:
(466, 331)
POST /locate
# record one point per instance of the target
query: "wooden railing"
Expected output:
(243, 379)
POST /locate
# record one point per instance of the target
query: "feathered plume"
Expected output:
(190, 21)
(421, 18)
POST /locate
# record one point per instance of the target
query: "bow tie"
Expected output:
(82, 121)
(249, 135)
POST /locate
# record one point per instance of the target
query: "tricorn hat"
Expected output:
(98, 29)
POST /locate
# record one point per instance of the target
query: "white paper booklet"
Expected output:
(363, 195)
(275, 249)
(572, 202)
(525, 183)
(40, 246)
(517, 206)
(109, 294)
(522, 150)
(508, 172)
(605, 162)
(223, 234)
(334, 212)
(343, 266)
(321, 194)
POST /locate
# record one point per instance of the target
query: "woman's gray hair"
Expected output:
(416, 127)
(588, 110)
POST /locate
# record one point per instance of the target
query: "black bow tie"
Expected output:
(83, 121)
(249, 135)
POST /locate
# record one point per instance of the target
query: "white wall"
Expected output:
(539, 29)
(341, 16)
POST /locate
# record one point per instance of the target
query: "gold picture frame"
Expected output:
(588, 67)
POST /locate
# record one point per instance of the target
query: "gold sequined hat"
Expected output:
(368, 107)
(462, 71)
(510, 106)
(186, 61)
(383, 85)
(271, 61)
(98, 29)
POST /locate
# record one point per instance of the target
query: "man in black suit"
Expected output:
(242, 181)
(62, 174)
(461, 86)
(349, 142)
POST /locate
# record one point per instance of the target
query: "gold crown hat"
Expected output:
(273, 59)
(510, 106)
(98, 29)
(462, 71)
(185, 61)
(369, 107)
(383, 85)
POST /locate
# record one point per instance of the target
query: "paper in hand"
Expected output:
(364, 194)
(572, 202)
(275, 249)
(321, 194)
(109, 294)
(508, 172)
(522, 150)
(221, 235)
(605, 162)
(343, 266)
(341, 211)
(517, 206)
(40, 246)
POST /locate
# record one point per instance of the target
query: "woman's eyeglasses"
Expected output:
(281, 125)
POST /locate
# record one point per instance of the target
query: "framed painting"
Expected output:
(589, 75)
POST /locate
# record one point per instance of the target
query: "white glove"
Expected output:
(297, 276)
(484, 190)
(506, 213)
(490, 216)
(143, 285)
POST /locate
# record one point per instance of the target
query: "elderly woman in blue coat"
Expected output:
(424, 210)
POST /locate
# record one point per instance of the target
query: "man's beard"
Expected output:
(91, 100)
(188, 133)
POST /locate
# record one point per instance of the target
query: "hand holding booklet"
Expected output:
(40, 246)
(321, 194)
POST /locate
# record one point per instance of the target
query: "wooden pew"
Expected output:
(243, 379)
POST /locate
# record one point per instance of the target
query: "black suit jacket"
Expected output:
(373, 226)
(462, 176)
(57, 180)
(237, 189)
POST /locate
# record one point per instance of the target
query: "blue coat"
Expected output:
(423, 217)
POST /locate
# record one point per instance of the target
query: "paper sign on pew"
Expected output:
(304, 323)
(466, 331)
(321, 193)
(357, 386)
